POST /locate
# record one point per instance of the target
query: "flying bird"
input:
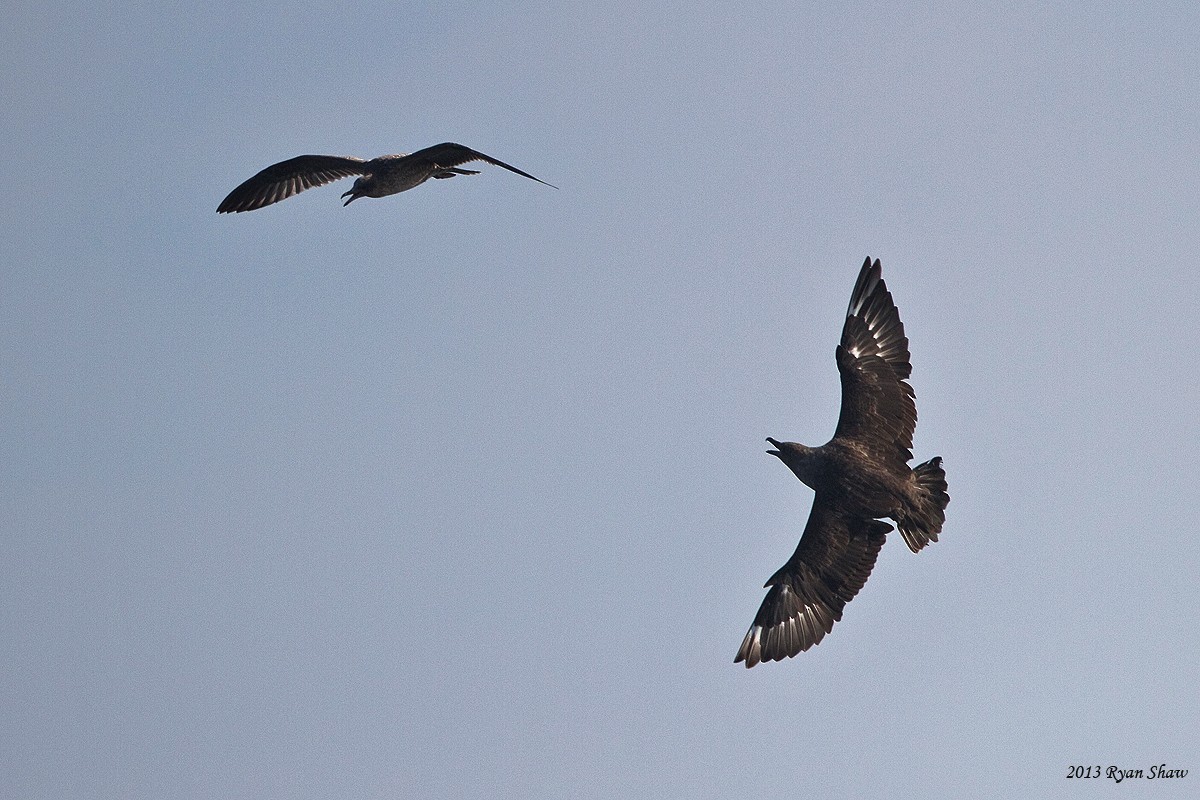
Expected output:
(379, 176)
(859, 475)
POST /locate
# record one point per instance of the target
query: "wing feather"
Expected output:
(448, 155)
(879, 409)
(281, 181)
(831, 564)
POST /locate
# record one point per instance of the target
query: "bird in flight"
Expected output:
(379, 176)
(859, 475)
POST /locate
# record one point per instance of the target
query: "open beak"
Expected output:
(353, 197)
(774, 444)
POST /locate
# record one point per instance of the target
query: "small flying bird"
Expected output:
(861, 474)
(380, 176)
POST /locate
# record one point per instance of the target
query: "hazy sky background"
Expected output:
(463, 492)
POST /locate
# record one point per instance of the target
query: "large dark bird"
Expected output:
(861, 474)
(380, 176)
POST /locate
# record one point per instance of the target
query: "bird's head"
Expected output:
(798, 458)
(782, 449)
(361, 188)
(789, 453)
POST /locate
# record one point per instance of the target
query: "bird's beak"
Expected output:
(774, 444)
(353, 197)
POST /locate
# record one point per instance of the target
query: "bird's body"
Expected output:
(847, 476)
(860, 475)
(379, 177)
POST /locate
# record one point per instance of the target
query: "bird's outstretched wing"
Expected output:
(832, 562)
(281, 181)
(879, 410)
(449, 154)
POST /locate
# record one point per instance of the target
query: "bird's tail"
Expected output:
(923, 520)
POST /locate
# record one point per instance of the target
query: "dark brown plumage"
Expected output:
(861, 474)
(380, 176)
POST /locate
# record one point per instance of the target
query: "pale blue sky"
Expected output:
(463, 492)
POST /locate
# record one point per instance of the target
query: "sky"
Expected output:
(463, 492)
